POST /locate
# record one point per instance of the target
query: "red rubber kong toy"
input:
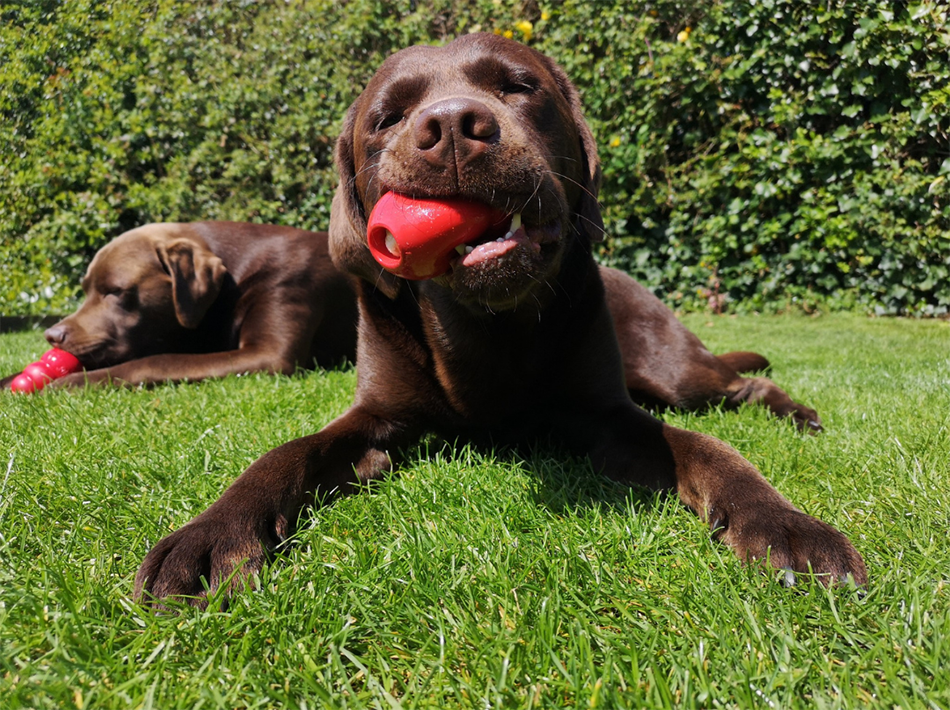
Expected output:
(54, 364)
(417, 238)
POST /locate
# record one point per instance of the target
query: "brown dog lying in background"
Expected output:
(514, 344)
(169, 302)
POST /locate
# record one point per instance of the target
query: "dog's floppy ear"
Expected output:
(348, 223)
(196, 273)
(587, 217)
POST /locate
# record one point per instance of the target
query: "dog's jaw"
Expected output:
(510, 264)
(514, 269)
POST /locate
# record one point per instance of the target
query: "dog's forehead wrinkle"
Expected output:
(400, 94)
(128, 272)
(473, 71)
(87, 279)
(493, 71)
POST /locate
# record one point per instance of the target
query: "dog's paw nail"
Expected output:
(847, 580)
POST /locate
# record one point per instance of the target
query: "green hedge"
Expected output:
(763, 155)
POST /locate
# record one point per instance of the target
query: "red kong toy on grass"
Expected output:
(418, 238)
(54, 364)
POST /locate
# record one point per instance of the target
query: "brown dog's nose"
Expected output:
(56, 334)
(454, 131)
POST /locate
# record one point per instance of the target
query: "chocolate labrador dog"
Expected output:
(515, 343)
(168, 302)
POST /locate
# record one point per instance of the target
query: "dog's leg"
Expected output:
(707, 382)
(744, 361)
(743, 510)
(157, 369)
(666, 365)
(231, 540)
(761, 390)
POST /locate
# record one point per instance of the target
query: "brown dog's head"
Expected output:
(484, 119)
(143, 290)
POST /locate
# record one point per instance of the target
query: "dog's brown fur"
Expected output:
(169, 302)
(506, 351)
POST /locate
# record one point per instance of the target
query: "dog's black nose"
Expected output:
(56, 334)
(452, 132)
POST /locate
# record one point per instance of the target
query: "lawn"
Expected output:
(480, 579)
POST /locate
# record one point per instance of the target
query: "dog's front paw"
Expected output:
(193, 563)
(790, 540)
(76, 379)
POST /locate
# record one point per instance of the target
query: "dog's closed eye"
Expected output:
(501, 78)
(391, 107)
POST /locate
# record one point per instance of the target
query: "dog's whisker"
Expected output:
(593, 225)
(534, 192)
(571, 180)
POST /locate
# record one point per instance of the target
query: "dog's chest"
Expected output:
(493, 372)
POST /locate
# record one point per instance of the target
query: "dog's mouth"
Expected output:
(497, 272)
(488, 246)
(424, 238)
(93, 352)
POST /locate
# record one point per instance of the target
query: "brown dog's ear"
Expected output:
(587, 217)
(197, 274)
(348, 223)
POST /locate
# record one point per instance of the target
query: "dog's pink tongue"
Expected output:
(417, 238)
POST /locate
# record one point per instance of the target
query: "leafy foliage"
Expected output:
(771, 154)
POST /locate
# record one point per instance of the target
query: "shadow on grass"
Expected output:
(566, 483)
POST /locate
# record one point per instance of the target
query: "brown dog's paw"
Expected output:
(76, 379)
(805, 418)
(792, 541)
(193, 563)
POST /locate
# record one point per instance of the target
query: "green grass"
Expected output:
(480, 580)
